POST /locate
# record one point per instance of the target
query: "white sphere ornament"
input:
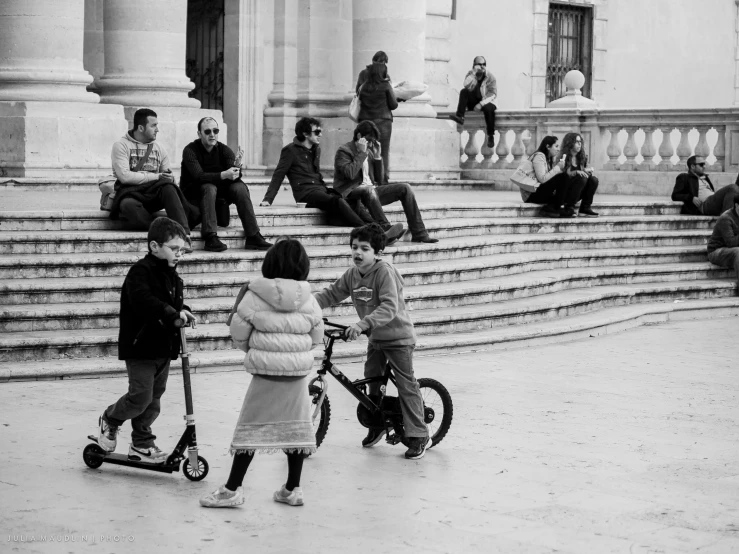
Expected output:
(574, 80)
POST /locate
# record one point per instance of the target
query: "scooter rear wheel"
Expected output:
(195, 473)
(93, 456)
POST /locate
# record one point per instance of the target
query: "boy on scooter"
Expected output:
(376, 289)
(152, 311)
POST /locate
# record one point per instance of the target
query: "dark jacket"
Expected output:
(302, 168)
(377, 103)
(686, 188)
(348, 168)
(151, 300)
(200, 166)
(725, 233)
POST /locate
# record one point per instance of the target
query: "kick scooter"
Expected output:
(194, 467)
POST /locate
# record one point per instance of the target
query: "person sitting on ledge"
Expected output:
(695, 190)
(300, 161)
(145, 183)
(358, 174)
(211, 179)
(479, 93)
(723, 246)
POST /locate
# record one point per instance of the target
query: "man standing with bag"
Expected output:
(145, 183)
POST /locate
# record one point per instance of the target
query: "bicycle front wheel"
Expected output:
(438, 410)
(320, 423)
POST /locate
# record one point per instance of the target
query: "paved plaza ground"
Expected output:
(625, 443)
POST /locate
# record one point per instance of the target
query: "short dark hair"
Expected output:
(202, 120)
(304, 126)
(380, 57)
(371, 233)
(163, 229)
(141, 117)
(366, 128)
(691, 161)
(286, 259)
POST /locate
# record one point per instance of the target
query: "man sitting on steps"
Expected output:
(695, 190)
(145, 183)
(723, 246)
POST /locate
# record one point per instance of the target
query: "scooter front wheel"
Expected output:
(93, 456)
(197, 473)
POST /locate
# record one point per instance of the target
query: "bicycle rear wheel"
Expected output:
(438, 410)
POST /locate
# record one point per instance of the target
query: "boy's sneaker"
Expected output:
(373, 437)
(417, 447)
(107, 438)
(150, 455)
(223, 498)
(293, 497)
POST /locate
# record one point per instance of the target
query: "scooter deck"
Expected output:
(123, 460)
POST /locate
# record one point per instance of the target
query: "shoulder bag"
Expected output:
(524, 177)
(355, 106)
(107, 184)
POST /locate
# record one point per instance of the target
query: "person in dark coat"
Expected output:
(695, 190)
(152, 312)
(376, 103)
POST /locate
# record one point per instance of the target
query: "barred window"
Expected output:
(569, 46)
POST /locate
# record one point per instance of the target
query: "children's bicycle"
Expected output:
(372, 413)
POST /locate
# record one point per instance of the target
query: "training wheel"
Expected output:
(195, 473)
(93, 456)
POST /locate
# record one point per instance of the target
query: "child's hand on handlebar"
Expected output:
(352, 332)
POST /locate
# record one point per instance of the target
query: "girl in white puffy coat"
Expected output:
(277, 323)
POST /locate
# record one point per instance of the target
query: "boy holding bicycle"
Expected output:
(376, 290)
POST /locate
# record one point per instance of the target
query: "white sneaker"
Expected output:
(151, 455)
(223, 498)
(107, 436)
(294, 497)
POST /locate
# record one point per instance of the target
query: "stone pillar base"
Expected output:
(423, 148)
(177, 128)
(58, 139)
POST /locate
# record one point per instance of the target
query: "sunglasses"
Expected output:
(317, 132)
(703, 164)
(209, 132)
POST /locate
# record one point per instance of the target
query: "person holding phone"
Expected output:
(479, 92)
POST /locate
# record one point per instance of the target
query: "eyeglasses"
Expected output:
(176, 250)
(316, 132)
(702, 164)
(208, 132)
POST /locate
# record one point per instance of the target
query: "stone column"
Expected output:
(438, 52)
(145, 46)
(94, 44)
(422, 146)
(736, 54)
(50, 125)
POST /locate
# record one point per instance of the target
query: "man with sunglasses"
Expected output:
(211, 178)
(695, 190)
(479, 93)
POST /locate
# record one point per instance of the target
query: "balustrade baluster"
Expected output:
(701, 147)
(502, 150)
(487, 154)
(517, 149)
(630, 150)
(462, 144)
(647, 150)
(472, 151)
(683, 148)
(532, 143)
(613, 150)
(719, 150)
(666, 150)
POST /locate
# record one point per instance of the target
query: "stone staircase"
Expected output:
(499, 276)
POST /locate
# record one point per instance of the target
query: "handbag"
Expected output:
(107, 184)
(355, 107)
(524, 176)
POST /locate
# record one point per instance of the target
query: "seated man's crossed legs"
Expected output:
(214, 203)
(720, 201)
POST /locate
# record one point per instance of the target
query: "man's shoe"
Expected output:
(587, 212)
(491, 141)
(394, 232)
(214, 244)
(457, 119)
(150, 455)
(293, 497)
(549, 211)
(417, 448)
(107, 438)
(373, 437)
(223, 498)
(427, 240)
(257, 242)
(567, 211)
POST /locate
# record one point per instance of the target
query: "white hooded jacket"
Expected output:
(277, 324)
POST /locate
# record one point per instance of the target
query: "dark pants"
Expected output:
(138, 215)
(330, 201)
(385, 126)
(720, 201)
(214, 202)
(147, 381)
(409, 394)
(552, 192)
(367, 197)
(468, 101)
(403, 192)
(580, 189)
(726, 257)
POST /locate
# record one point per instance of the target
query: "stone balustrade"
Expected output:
(615, 139)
